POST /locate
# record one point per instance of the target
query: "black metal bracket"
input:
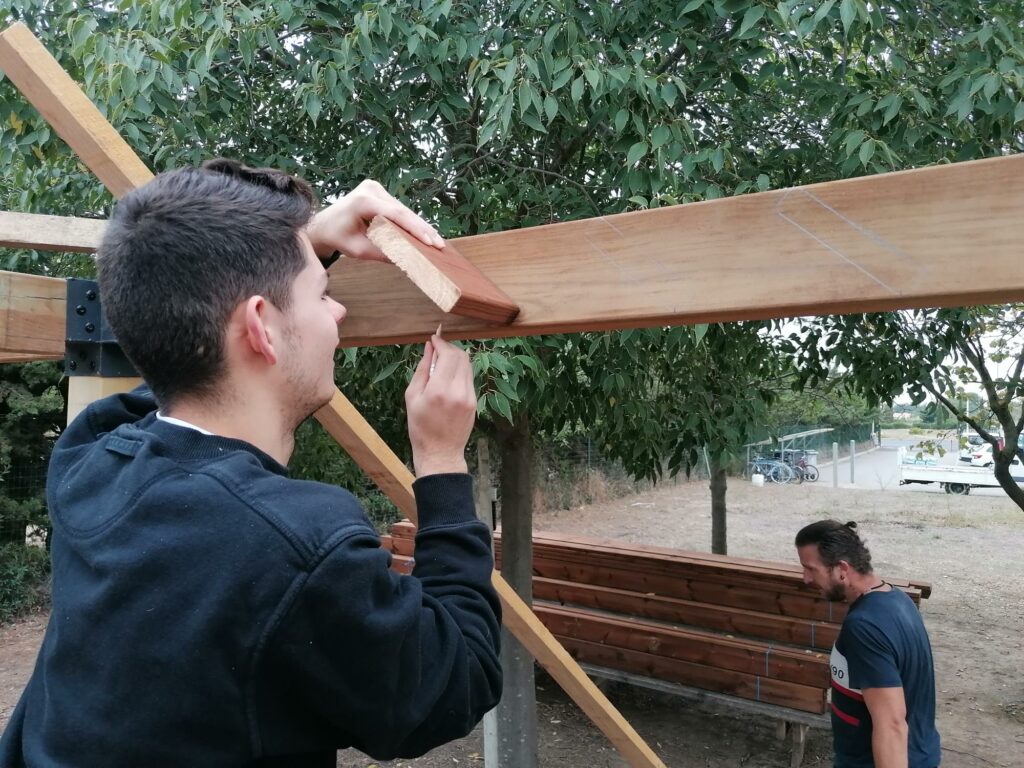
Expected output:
(90, 348)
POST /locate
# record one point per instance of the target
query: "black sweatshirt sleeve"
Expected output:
(392, 665)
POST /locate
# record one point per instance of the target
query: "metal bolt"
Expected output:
(90, 295)
(80, 309)
(90, 327)
(73, 365)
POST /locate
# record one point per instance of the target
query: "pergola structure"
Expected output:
(940, 236)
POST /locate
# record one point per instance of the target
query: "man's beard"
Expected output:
(836, 593)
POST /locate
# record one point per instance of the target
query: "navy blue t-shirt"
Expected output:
(882, 644)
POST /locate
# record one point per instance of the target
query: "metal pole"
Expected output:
(853, 456)
(835, 465)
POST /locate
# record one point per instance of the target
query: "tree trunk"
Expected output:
(482, 489)
(718, 485)
(1006, 481)
(517, 712)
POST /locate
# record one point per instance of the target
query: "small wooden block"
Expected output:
(443, 274)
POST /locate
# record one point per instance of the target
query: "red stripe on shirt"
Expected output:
(847, 692)
(845, 717)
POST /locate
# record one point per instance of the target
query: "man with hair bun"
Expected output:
(883, 678)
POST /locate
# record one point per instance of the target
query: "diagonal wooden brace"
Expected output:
(40, 78)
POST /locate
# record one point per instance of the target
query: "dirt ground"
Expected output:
(970, 548)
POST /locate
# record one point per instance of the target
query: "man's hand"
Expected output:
(342, 226)
(441, 406)
(889, 729)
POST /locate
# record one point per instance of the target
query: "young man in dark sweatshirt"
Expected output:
(208, 610)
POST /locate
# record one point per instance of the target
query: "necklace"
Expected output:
(879, 585)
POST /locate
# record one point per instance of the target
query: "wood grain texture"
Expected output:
(940, 236)
(755, 687)
(686, 644)
(50, 233)
(736, 621)
(443, 275)
(83, 390)
(32, 316)
(40, 78)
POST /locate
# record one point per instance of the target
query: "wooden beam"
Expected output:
(748, 686)
(67, 109)
(50, 233)
(686, 644)
(32, 316)
(353, 433)
(874, 243)
(443, 274)
(736, 621)
(25, 357)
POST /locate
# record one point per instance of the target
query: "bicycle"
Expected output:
(774, 471)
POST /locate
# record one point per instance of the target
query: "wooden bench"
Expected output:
(714, 629)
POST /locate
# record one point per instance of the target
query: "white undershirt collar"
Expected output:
(181, 423)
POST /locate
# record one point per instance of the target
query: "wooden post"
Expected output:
(83, 390)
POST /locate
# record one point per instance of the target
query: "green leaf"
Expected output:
(534, 122)
(550, 107)
(661, 135)
(699, 331)
(867, 151)
(763, 182)
(501, 404)
(313, 105)
(635, 152)
(577, 89)
(620, 120)
(691, 6)
(669, 93)
(853, 140)
(750, 18)
(507, 389)
(848, 14)
(893, 109)
(386, 372)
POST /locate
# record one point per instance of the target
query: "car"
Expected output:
(973, 442)
(982, 457)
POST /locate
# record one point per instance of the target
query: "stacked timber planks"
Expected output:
(748, 628)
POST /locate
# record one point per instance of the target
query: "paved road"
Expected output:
(876, 470)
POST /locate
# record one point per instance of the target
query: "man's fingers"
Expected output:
(386, 205)
(423, 370)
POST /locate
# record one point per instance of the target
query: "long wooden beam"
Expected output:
(112, 160)
(940, 236)
(50, 233)
(32, 317)
(68, 111)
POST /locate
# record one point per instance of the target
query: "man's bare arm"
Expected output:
(888, 709)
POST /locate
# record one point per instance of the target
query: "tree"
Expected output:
(31, 417)
(933, 353)
(488, 116)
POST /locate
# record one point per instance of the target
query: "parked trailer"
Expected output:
(951, 478)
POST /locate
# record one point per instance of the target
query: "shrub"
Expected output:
(24, 579)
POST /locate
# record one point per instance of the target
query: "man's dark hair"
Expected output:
(837, 541)
(181, 252)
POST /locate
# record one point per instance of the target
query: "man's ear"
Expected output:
(844, 569)
(257, 328)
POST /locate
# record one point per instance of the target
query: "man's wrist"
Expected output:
(440, 467)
